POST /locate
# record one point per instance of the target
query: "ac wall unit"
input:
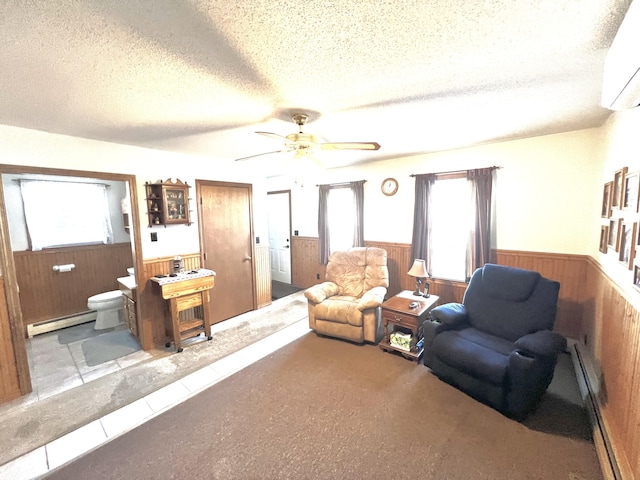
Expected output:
(621, 80)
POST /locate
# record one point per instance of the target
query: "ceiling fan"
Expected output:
(303, 143)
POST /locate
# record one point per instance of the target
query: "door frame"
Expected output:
(216, 183)
(8, 267)
(288, 192)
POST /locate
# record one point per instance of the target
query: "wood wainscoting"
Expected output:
(46, 294)
(610, 350)
(262, 265)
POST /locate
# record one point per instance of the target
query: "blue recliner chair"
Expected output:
(498, 345)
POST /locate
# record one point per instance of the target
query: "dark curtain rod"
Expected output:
(343, 184)
(455, 171)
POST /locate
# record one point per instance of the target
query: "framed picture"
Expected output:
(627, 243)
(607, 195)
(631, 187)
(618, 188)
(636, 276)
(615, 226)
(604, 238)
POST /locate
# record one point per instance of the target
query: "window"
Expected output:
(65, 213)
(341, 215)
(452, 220)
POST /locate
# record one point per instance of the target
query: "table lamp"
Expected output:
(419, 270)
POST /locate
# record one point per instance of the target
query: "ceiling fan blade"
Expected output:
(350, 146)
(259, 155)
(275, 136)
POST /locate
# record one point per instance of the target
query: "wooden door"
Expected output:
(226, 233)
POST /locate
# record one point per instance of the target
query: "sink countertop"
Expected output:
(128, 282)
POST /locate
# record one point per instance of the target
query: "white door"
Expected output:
(279, 232)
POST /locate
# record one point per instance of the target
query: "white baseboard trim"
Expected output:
(58, 323)
(589, 385)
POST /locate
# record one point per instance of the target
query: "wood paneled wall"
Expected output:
(262, 265)
(569, 270)
(611, 336)
(45, 294)
(306, 270)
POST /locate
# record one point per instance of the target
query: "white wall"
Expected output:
(40, 149)
(620, 149)
(546, 191)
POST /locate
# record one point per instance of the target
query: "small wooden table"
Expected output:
(396, 312)
(186, 292)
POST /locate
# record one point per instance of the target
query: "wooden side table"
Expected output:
(184, 293)
(396, 312)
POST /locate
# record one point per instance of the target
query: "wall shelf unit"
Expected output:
(168, 203)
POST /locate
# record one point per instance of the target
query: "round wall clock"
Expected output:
(389, 186)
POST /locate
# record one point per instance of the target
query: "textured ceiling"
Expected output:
(201, 76)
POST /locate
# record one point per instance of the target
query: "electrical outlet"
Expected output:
(295, 233)
(154, 236)
(317, 276)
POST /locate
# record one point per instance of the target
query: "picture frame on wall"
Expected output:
(615, 225)
(607, 195)
(627, 243)
(636, 276)
(631, 188)
(618, 187)
(604, 238)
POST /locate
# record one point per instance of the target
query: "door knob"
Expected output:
(247, 257)
(286, 246)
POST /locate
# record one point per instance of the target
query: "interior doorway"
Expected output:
(18, 286)
(279, 214)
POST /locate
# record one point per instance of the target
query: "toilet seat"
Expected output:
(112, 299)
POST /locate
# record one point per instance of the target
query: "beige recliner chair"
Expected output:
(347, 304)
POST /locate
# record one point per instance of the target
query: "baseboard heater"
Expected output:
(589, 384)
(60, 322)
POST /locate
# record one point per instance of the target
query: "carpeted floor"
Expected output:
(321, 408)
(27, 427)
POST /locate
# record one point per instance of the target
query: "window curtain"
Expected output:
(479, 248)
(65, 213)
(420, 242)
(323, 223)
(358, 225)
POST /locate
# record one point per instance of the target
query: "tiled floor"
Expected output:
(88, 437)
(57, 359)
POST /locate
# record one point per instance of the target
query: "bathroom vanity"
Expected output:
(187, 298)
(128, 286)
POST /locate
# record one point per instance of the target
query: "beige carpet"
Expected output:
(321, 408)
(28, 427)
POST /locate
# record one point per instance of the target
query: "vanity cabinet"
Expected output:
(128, 288)
(168, 203)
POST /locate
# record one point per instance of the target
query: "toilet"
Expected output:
(109, 307)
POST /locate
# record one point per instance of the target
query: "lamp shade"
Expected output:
(418, 269)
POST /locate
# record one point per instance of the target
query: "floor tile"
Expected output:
(75, 443)
(31, 465)
(199, 379)
(126, 418)
(167, 396)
